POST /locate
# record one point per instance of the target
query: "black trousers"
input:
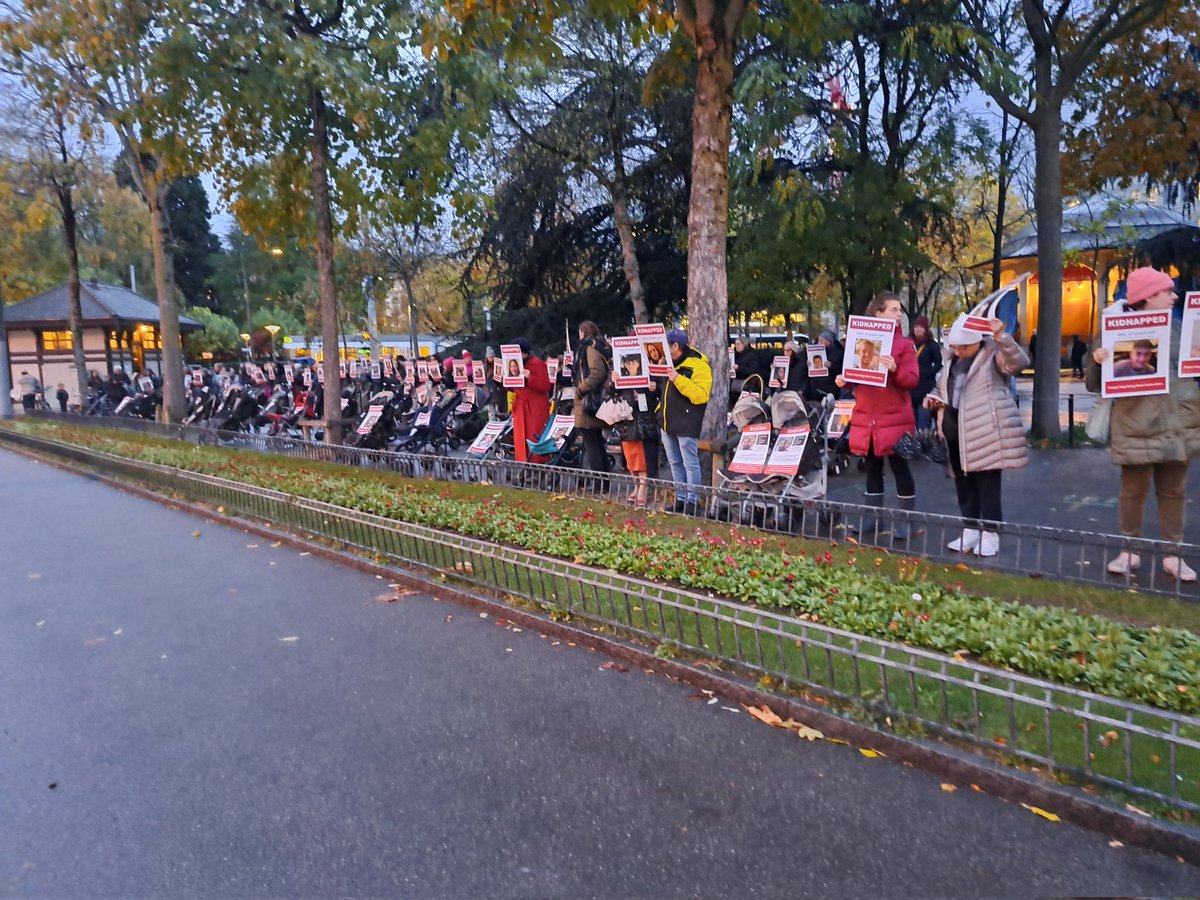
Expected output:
(593, 446)
(978, 492)
(905, 486)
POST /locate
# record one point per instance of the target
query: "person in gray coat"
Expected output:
(982, 426)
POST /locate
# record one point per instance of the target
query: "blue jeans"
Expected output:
(683, 453)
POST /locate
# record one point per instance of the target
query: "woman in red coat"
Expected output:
(883, 415)
(531, 405)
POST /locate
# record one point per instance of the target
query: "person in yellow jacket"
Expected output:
(681, 415)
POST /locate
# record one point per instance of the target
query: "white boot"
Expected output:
(989, 544)
(965, 544)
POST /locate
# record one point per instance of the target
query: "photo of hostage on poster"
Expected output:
(514, 366)
(1189, 344)
(658, 354)
(751, 454)
(1134, 353)
(818, 364)
(779, 371)
(868, 350)
(630, 366)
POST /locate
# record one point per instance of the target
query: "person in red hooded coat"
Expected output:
(531, 405)
(883, 415)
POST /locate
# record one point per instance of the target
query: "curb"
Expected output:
(1007, 784)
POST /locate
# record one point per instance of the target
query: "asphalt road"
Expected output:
(213, 716)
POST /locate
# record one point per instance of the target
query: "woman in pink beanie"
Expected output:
(1152, 438)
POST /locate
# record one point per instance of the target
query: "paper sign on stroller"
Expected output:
(840, 420)
(1139, 353)
(486, 437)
(560, 427)
(752, 448)
(468, 399)
(369, 420)
(868, 340)
(788, 451)
(423, 418)
(1189, 344)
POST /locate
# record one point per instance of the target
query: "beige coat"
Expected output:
(1158, 428)
(991, 434)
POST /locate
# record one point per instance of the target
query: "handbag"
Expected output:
(592, 402)
(908, 447)
(612, 411)
(1099, 421)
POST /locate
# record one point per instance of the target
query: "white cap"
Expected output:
(960, 336)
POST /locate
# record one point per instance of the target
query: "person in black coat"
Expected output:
(929, 364)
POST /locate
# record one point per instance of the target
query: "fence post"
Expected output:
(1070, 420)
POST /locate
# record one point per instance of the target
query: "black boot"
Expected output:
(870, 525)
(902, 530)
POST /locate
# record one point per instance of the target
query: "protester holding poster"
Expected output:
(592, 372)
(883, 410)
(983, 428)
(630, 365)
(818, 362)
(1189, 350)
(512, 363)
(779, 372)
(658, 354)
(1153, 436)
(1133, 365)
(531, 402)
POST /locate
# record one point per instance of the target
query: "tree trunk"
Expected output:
(1047, 133)
(633, 271)
(168, 307)
(6, 401)
(413, 338)
(708, 207)
(326, 287)
(66, 203)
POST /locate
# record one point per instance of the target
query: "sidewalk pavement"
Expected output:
(192, 711)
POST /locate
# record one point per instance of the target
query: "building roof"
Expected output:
(1101, 223)
(100, 304)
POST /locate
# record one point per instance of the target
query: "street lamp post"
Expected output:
(245, 336)
(274, 329)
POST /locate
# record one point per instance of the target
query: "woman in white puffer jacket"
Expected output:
(981, 424)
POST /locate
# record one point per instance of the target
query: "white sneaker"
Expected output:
(1124, 563)
(1177, 568)
(965, 544)
(989, 544)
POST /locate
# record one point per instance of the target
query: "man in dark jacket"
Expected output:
(746, 362)
(681, 416)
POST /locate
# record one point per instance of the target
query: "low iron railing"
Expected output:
(1037, 550)
(1072, 733)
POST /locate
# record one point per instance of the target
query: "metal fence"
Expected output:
(1036, 550)
(1074, 734)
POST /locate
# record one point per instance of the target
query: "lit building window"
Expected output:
(56, 341)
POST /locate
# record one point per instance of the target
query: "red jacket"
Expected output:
(531, 409)
(883, 415)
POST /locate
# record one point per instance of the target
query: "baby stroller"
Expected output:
(778, 466)
(467, 416)
(557, 441)
(428, 428)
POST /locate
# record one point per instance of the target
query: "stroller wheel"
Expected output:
(862, 464)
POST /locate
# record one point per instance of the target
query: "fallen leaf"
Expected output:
(977, 789)
(449, 618)
(252, 546)
(764, 715)
(277, 544)
(465, 567)
(803, 730)
(949, 788)
(118, 631)
(838, 741)
(515, 630)
(291, 639)
(1134, 809)
(1115, 844)
(195, 534)
(712, 700)
(306, 553)
(870, 754)
(615, 666)
(731, 709)
(41, 623)
(1038, 811)
(483, 615)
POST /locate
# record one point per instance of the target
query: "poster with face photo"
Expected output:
(269, 371)
(1189, 344)
(459, 368)
(376, 371)
(560, 428)
(779, 371)
(422, 370)
(353, 368)
(630, 368)
(514, 366)
(788, 451)
(498, 370)
(818, 361)
(552, 368)
(868, 340)
(568, 361)
(320, 374)
(658, 353)
(486, 437)
(732, 363)
(410, 372)
(389, 367)
(477, 371)
(1139, 353)
(342, 369)
(839, 419)
(752, 448)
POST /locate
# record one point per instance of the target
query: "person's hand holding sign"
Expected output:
(888, 363)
